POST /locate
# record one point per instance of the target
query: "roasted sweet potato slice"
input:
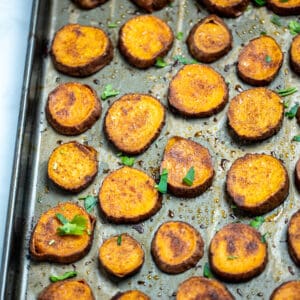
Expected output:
(121, 255)
(237, 253)
(133, 122)
(66, 290)
(260, 61)
(284, 7)
(197, 91)
(209, 39)
(128, 195)
(143, 39)
(202, 288)
(80, 51)
(176, 247)
(151, 5)
(295, 54)
(255, 114)
(89, 4)
(179, 157)
(294, 237)
(131, 295)
(47, 244)
(287, 291)
(72, 108)
(226, 8)
(297, 174)
(73, 166)
(257, 183)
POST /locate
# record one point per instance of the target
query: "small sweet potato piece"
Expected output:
(121, 255)
(209, 39)
(133, 122)
(131, 295)
(151, 5)
(128, 195)
(143, 39)
(297, 174)
(80, 51)
(67, 289)
(260, 61)
(47, 245)
(226, 8)
(73, 166)
(294, 237)
(255, 114)
(180, 155)
(89, 4)
(72, 108)
(257, 183)
(197, 91)
(284, 8)
(237, 253)
(289, 290)
(295, 54)
(176, 247)
(202, 288)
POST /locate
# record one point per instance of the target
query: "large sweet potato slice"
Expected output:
(209, 39)
(133, 122)
(255, 114)
(257, 183)
(143, 39)
(131, 295)
(89, 4)
(260, 61)
(121, 255)
(81, 50)
(72, 108)
(295, 54)
(176, 247)
(47, 244)
(197, 91)
(237, 253)
(73, 166)
(294, 237)
(151, 5)
(284, 7)
(287, 291)
(202, 288)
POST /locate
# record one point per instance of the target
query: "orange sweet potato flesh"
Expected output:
(197, 91)
(237, 253)
(295, 54)
(202, 288)
(66, 290)
(179, 156)
(255, 114)
(209, 39)
(73, 166)
(284, 8)
(294, 237)
(257, 183)
(128, 195)
(121, 259)
(151, 5)
(89, 4)
(143, 39)
(80, 51)
(260, 61)
(287, 291)
(131, 295)
(47, 245)
(176, 247)
(72, 108)
(133, 122)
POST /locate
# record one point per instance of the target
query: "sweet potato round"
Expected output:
(197, 91)
(176, 247)
(73, 166)
(284, 8)
(297, 174)
(255, 114)
(47, 245)
(121, 255)
(128, 195)
(89, 4)
(209, 39)
(257, 183)
(81, 50)
(287, 290)
(294, 54)
(72, 108)
(237, 253)
(67, 289)
(202, 288)
(260, 61)
(151, 5)
(131, 295)
(133, 122)
(143, 39)
(293, 235)
(179, 156)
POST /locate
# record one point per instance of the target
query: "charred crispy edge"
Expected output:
(93, 3)
(184, 265)
(87, 181)
(142, 63)
(156, 4)
(281, 286)
(266, 206)
(297, 174)
(198, 53)
(144, 147)
(295, 257)
(58, 258)
(283, 11)
(120, 294)
(229, 12)
(90, 68)
(295, 65)
(79, 128)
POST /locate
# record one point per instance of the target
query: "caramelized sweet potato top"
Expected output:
(131, 295)
(287, 291)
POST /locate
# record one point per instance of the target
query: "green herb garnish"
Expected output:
(257, 222)
(276, 20)
(296, 138)
(163, 182)
(127, 161)
(160, 63)
(183, 60)
(233, 206)
(268, 59)
(260, 2)
(76, 226)
(179, 36)
(109, 92)
(207, 272)
(67, 275)
(263, 237)
(232, 257)
(292, 112)
(294, 27)
(286, 92)
(189, 177)
(286, 103)
(89, 202)
(119, 240)
(263, 33)
(112, 25)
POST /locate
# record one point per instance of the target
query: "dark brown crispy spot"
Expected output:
(63, 112)
(77, 31)
(230, 244)
(178, 246)
(82, 148)
(71, 99)
(251, 247)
